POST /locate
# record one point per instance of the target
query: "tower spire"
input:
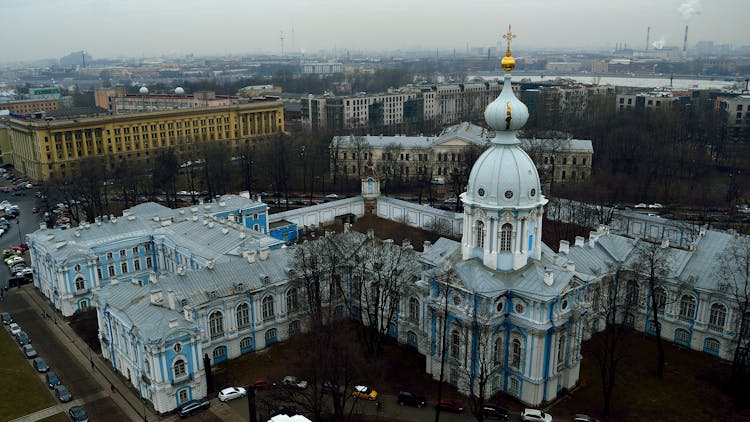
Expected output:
(508, 63)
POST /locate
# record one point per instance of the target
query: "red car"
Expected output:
(450, 405)
(262, 384)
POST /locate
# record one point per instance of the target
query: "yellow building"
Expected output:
(44, 148)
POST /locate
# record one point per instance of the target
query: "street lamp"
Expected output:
(18, 223)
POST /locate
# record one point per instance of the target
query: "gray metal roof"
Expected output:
(132, 303)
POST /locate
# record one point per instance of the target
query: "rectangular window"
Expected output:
(111, 270)
(148, 262)
(122, 252)
(137, 265)
(99, 273)
(124, 267)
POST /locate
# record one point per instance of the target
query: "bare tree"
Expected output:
(735, 270)
(612, 303)
(651, 266)
(385, 269)
(164, 175)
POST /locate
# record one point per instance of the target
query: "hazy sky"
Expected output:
(33, 29)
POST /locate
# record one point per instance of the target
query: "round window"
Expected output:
(77, 267)
(481, 192)
(533, 192)
(519, 308)
(564, 304)
(500, 306)
(508, 194)
(456, 300)
(177, 347)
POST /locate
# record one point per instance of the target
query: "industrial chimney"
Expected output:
(684, 43)
(648, 37)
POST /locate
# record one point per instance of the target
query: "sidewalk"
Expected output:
(58, 408)
(101, 372)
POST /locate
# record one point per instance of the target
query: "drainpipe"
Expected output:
(548, 346)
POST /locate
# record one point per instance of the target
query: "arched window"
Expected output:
(268, 308)
(632, 293)
(147, 368)
(292, 304)
(179, 368)
(455, 344)
(271, 336)
(216, 324)
(660, 297)
(246, 344)
(498, 352)
(687, 308)
(479, 233)
(515, 353)
(505, 236)
(80, 283)
(243, 315)
(411, 339)
(682, 337)
(712, 346)
(413, 309)
(515, 387)
(718, 317)
(561, 350)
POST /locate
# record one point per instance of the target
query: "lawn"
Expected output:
(689, 391)
(25, 393)
(60, 417)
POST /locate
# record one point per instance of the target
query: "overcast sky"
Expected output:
(33, 29)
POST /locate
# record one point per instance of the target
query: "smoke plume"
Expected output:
(689, 8)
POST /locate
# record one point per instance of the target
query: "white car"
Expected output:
(14, 328)
(641, 205)
(535, 415)
(232, 393)
(656, 206)
(24, 272)
(289, 380)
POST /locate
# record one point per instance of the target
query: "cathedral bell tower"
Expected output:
(503, 203)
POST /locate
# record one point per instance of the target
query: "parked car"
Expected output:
(77, 414)
(7, 319)
(408, 398)
(583, 418)
(284, 410)
(25, 272)
(14, 328)
(52, 379)
(656, 206)
(535, 415)
(62, 394)
(262, 384)
(294, 381)
(493, 411)
(29, 351)
(40, 365)
(450, 405)
(641, 205)
(22, 338)
(365, 392)
(192, 407)
(231, 393)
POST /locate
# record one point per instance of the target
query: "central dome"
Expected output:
(504, 177)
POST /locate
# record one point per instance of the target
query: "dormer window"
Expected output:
(212, 294)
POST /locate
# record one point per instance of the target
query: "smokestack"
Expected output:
(684, 43)
(648, 37)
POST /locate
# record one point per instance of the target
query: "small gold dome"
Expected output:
(508, 63)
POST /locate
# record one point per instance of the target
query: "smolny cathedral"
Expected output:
(498, 307)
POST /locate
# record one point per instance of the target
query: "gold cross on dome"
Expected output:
(509, 36)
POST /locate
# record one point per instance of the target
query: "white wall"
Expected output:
(421, 216)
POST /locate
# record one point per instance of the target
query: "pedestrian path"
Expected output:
(60, 408)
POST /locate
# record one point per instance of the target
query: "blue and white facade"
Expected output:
(147, 241)
(501, 309)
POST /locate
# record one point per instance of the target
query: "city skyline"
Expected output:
(139, 28)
